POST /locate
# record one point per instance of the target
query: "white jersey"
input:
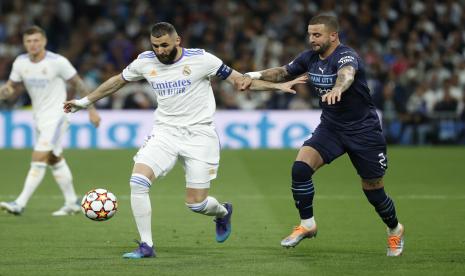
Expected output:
(183, 89)
(45, 83)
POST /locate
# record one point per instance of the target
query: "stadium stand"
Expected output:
(414, 50)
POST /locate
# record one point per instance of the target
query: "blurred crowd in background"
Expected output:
(413, 50)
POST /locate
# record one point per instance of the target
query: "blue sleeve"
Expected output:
(298, 66)
(349, 58)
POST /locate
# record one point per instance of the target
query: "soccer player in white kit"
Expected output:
(44, 75)
(183, 127)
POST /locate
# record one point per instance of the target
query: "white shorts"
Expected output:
(50, 135)
(197, 147)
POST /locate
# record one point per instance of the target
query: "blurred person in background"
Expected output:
(45, 74)
(447, 113)
(138, 100)
(447, 102)
(417, 114)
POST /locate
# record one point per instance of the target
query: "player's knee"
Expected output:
(196, 192)
(301, 171)
(196, 196)
(39, 156)
(198, 207)
(372, 183)
(139, 184)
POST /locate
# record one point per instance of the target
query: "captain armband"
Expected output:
(224, 71)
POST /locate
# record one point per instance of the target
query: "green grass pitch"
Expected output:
(427, 185)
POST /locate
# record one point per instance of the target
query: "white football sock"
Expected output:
(64, 179)
(141, 207)
(34, 177)
(210, 207)
(308, 223)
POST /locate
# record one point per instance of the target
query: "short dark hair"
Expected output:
(34, 30)
(329, 21)
(162, 28)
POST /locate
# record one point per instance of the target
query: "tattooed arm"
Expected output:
(345, 78)
(236, 78)
(277, 74)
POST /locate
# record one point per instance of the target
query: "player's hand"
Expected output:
(6, 91)
(287, 86)
(332, 97)
(243, 83)
(76, 105)
(94, 118)
(70, 106)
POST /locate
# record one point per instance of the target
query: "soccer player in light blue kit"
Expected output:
(183, 127)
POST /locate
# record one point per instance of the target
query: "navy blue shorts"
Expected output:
(367, 151)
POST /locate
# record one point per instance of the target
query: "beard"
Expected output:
(169, 58)
(322, 47)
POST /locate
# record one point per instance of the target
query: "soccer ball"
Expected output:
(99, 204)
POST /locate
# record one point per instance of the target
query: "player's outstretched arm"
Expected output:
(81, 88)
(255, 84)
(345, 78)
(277, 74)
(107, 88)
(282, 86)
(7, 89)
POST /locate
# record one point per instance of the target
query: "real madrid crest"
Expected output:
(186, 71)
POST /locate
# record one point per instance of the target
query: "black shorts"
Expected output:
(367, 150)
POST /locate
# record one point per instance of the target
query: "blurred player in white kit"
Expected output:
(183, 127)
(44, 75)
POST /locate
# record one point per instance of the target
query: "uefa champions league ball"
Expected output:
(99, 204)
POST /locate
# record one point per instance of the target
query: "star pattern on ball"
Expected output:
(102, 197)
(102, 214)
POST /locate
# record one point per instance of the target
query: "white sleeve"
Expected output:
(65, 69)
(212, 64)
(131, 72)
(14, 74)
(216, 67)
